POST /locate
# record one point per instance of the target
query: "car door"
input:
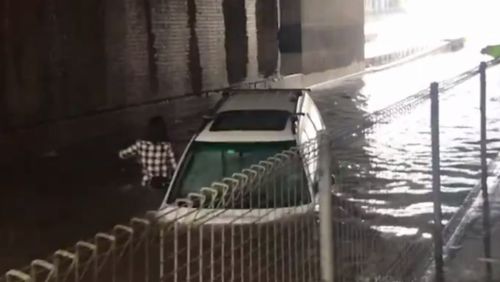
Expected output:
(309, 126)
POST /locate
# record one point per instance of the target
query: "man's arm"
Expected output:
(129, 152)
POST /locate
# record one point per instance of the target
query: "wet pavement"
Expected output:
(387, 168)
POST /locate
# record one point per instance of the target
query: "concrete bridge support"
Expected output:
(72, 70)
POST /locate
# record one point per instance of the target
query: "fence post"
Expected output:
(325, 211)
(436, 184)
(484, 174)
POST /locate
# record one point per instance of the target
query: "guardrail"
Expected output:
(258, 225)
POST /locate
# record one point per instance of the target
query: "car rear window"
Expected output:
(250, 120)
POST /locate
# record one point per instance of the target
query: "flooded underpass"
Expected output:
(384, 172)
(383, 202)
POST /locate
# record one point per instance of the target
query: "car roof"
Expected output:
(260, 100)
(254, 100)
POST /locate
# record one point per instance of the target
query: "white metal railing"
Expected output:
(258, 225)
(261, 224)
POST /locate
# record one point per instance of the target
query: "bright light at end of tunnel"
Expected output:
(475, 20)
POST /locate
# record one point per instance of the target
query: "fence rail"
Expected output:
(258, 225)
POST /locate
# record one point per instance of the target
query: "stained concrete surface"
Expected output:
(468, 263)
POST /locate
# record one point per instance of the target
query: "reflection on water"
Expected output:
(387, 170)
(397, 230)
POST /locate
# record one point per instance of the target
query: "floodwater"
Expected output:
(386, 170)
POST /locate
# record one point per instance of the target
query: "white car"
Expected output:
(248, 126)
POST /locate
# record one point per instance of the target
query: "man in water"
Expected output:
(155, 154)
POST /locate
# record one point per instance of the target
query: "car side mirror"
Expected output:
(208, 117)
(294, 120)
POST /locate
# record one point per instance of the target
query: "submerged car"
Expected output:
(247, 127)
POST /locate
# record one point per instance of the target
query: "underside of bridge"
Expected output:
(75, 70)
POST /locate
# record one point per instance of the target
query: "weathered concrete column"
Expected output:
(290, 36)
(332, 34)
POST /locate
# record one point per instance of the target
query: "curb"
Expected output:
(407, 55)
(394, 56)
(398, 58)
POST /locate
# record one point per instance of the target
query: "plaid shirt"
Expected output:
(156, 159)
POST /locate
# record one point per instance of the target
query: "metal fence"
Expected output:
(258, 225)
(261, 224)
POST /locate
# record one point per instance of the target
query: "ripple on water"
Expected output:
(387, 169)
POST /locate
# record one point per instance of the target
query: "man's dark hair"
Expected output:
(157, 130)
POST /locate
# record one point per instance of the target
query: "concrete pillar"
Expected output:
(210, 31)
(172, 33)
(116, 55)
(136, 54)
(332, 34)
(236, 40)
(290, 36)
(251, 27)
(267, 36)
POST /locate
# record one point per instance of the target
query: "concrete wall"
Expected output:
(317, 36)
(71, 70)
(332, 34)
(67, 58)
(267, 37)
(290, 36)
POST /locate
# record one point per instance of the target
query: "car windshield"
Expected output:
(210, 162)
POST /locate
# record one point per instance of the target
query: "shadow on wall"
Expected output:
(290, 37)
(66, 59)
(52, 72)
(194, 50)
(267, 36)
(62, 60)
(235, 21)
(74, 69)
